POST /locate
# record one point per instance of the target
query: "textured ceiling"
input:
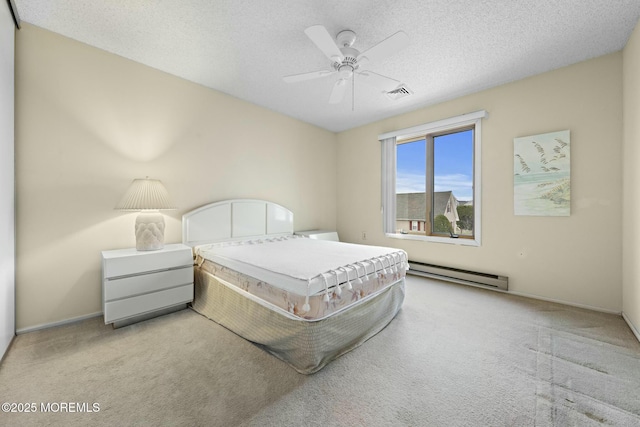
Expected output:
(245, 47)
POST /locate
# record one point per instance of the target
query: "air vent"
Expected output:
(400, 92)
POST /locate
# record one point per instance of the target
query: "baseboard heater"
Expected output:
(458, 275)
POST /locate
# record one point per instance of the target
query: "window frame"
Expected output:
(389, 173)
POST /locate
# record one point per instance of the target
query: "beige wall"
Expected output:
(574, 259)
(89, 122)
(631, 182)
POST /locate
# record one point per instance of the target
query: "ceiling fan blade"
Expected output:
(320, 36)
(385, 48)
(337, 93)
(306, 76)
(378, 81)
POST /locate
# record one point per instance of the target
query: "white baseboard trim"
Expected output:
(563, 302)
(631, 326)
(60, 323)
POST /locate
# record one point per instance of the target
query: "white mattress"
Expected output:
(301, 265)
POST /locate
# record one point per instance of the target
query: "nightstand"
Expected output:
(139, 285)
(319, 234)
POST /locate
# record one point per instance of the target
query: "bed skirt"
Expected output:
(306, 345)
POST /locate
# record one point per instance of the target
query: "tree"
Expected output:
(465, 213)
(441, 224)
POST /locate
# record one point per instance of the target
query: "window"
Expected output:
(434, 177)
(431, 175)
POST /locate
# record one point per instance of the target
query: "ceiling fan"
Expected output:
(346, 61)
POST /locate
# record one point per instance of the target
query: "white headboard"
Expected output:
(235, 219)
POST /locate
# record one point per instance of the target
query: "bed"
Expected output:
(305, 301)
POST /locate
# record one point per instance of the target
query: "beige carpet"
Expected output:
(454, 356)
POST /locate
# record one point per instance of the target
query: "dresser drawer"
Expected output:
(141, 304)
(125, 287)
(128, 262)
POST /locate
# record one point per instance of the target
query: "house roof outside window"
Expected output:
(411, 206)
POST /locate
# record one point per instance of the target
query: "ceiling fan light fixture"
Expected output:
(345, 71)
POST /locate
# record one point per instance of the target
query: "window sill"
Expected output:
(434, 239)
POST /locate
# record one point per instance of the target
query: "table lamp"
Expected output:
(148, 196)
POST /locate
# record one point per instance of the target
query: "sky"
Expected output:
(453, 167)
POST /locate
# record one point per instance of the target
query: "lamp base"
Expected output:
(149, 231)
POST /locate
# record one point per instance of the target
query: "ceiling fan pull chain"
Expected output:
(353, 91)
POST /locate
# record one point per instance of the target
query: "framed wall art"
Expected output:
(542, 174)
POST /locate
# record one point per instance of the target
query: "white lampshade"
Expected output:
(147, 195)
